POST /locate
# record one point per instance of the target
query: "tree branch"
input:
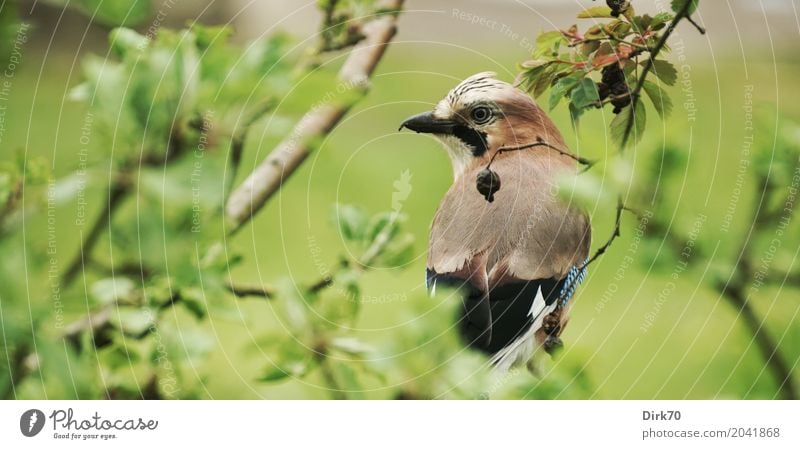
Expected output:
(587, 163)
(765, 343)
(245, 290)
(268, 176)
(648, 66)
(117, 192)
(615, 232)
(735, 292)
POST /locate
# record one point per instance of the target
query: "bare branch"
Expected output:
(244, 290)
(587, 163)
(268, 176)
(615, 232)
(117, 192)
(735, 291)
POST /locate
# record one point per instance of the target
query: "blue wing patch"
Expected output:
(574, 277)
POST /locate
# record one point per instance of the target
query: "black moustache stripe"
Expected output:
(474, 138)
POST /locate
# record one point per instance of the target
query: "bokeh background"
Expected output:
(636, 332)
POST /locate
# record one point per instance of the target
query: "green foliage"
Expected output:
(121, 12)
(678, 5)
(567, 62)
(180, 87)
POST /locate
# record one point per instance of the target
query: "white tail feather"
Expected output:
(522, 349)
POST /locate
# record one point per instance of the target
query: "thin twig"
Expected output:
(700, 29)
(245, 290)
(117, 192)
(648, 66)
(614, 234)
(588, 163)
(283, 161)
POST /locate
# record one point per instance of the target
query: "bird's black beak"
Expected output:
(427, 123)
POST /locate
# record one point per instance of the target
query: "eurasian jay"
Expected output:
(516, 255)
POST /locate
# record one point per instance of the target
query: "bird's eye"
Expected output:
(481, 115)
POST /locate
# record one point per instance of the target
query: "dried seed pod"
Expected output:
(614, 85)
(488, 182)
(617, 6)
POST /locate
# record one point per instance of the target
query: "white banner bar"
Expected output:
(398, 424)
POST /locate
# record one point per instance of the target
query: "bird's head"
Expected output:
(479, 116)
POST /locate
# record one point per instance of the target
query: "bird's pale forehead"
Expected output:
(480, 87)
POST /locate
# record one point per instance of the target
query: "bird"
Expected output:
(517, 253)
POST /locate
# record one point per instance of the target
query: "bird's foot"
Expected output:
(552, 323)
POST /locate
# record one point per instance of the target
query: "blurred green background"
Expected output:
(694, 348)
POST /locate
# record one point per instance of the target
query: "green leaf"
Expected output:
(585, 94)
(273, 373)
(125, 41)
(352, 221)
(562, 88)
(287, 357)
(539, 84)
(660, 99)
(633, 117)
(547, 42)
(135, 322)
(665, 71)
(347, 378)
(107, 291)
(131, 12)
(600, 12)
(399, 252)
(291, 308)
(659, 20)
(619, 28)
(387, 221)
(677, 5)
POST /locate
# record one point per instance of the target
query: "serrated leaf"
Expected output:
(665, 71)
(561, 89)
(633, 117)
(660, 19)
(660, 99)
(584, 94)
(678, 5)
(619, 29)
